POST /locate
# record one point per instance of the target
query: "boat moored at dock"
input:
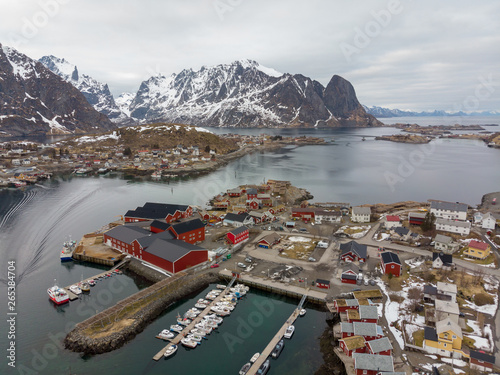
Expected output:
(170, 350)
(68, 250)
(289, 332)
(58, 295)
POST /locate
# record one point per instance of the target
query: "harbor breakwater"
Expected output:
(113, 327)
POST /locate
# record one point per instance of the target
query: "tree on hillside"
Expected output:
(207, 149)
(127, 151)
(429, 221)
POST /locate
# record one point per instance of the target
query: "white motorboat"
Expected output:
(220, 286)
(75, 289)
(210, 323)
(203, 301)
(214, 317)
(170, 350)
(166, 334)
(204, 328)
(194, 337)
(198, 332)
(200, 306)
(210, 297)
(254, 357)
(176, 328)
(216, 291)
(289, 332)
(183, 322)
(302, 312)
(189, 343)
(220, 310)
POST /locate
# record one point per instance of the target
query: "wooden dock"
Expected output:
(277, 337)
(73, 296)
(177, 339)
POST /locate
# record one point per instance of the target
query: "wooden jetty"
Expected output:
(177, 339)
(73, 296)
(277, 337)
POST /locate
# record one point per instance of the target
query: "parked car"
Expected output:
(303, 230)
(241, 265)
(311, 259)
(215, 265)
(248, 259)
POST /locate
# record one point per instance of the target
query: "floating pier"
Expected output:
(269, 285)
(176, 340)
(73, 296)
(274, 341)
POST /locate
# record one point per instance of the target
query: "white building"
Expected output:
(392, 221)
(445, 244)
(449, 210)
(489, 221)
(460, 227)
(361, 214)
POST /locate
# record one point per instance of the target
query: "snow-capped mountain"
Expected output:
(247, 94)
(97, 93)
(123, 102)
(33, 100)
(381, 112)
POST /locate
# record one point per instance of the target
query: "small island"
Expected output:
(405, 138)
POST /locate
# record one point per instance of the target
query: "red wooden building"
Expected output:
(342, 305)
(159, 211)
(238, 235)
(353, 344)
(349, 274)
(304, 213)
(353, 251)
(174, 255)
(191, 231)
(122, 237)
(481, 361)
(234, 192)
(251, 193)
(380, 346)
(267, 242)
(390, 263)
(416, 218)
(324, 284)
(253, 203)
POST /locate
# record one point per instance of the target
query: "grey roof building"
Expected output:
(379, 345)
(382, 363)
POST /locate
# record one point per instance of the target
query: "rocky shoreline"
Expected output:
(79, 339)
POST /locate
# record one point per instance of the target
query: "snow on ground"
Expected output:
(364, 230)
(480, 343)
(414, 263)
(299, 239)
(87, 139)
(391, 313)
(383, 237)
(484, 343)
(486, 309)
(454, 362)
(431, 356)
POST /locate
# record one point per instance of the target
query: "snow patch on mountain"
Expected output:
(96, 93)
(22, 68)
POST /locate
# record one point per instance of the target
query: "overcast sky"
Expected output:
(419, 55)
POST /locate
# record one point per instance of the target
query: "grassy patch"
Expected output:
(396, 297)
(467, 341)
(395, 284)
(297, 250)
(468, 329)
(354, 230)
(418, 337)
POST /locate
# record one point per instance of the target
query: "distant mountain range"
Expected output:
(34, 101)
(381, 112)
(247, 94)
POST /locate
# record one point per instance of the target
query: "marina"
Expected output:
(194, 322)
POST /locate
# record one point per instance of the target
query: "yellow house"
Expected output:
(478, 250)
(445, 339)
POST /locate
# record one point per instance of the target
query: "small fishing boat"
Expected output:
(84, 286)
(189, 343)
(166, 334)
(57, 295)
(194, 337)
(254, 357)
(245, 368)
(200, 306)
(170, 350)
(289, 332)
(264, 368)
(278, 349)
(75, 289)
(198, 332)
(183, 322)
(92, 282)
(176, 328)
(220, 286)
